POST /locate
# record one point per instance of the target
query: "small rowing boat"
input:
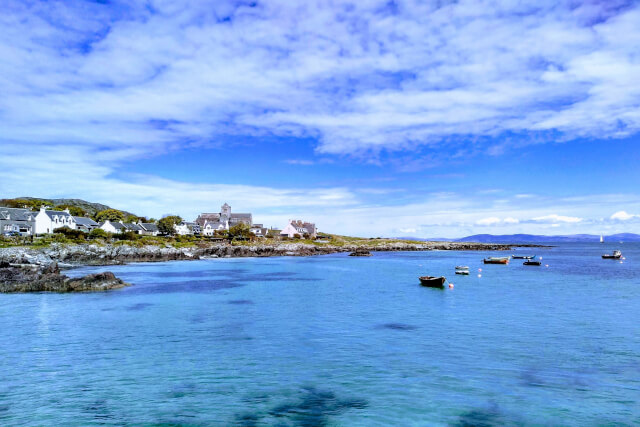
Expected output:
(531, 262)
(496, 260)
(523, 256)
(462, 269)
(432, 282)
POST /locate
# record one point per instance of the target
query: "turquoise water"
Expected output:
(333, 341)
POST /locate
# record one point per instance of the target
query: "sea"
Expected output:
(333, 340)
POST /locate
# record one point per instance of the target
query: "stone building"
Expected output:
(225, 219)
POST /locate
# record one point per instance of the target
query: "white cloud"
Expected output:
(623, 216)
(408, 230)
(357, 75)
(489, 221)
(554, 218)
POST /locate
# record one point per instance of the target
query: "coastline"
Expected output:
(72, 255)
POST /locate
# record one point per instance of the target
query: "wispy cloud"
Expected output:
(300, 162)
(357, 75)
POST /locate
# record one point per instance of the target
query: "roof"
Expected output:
(209, 216)
(149, 226)
(240, 215)
(81, 220)
(16, 214)
(132, 227)
(115, 224)
(52, 214)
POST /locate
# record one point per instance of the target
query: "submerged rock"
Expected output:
(360, 252)
(48, 279)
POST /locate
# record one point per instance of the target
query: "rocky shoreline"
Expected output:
(35, 278)
(24, 269)
(92, 254)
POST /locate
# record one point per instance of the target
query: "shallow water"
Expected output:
(333, 340)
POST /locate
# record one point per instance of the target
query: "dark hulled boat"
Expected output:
(495, 260)
(614, 255)
(433, 282)
(531, 262)
(523, 256)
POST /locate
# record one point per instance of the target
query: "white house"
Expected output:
(85, 224)
(210, 228)
(47, 221)
(15, 220)
(187, 228)
(112, 227)
(299, 227)
(149, 229)
(259, 230)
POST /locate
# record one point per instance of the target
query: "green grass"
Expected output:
(194, 241)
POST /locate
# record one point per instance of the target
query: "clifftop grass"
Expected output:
(194, 241)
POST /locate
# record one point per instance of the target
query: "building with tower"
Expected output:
(225, 219)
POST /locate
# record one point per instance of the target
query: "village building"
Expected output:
(17, 221)
(128, 226)
(210, 222)
(187, 228)
(113, 227)
(85, 224)
(259, 230)
(301, 228)
(47, 220)
(149, 229)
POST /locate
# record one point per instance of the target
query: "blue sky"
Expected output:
(370, 118)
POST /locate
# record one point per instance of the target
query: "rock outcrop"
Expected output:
(34, 278)
(360, 252)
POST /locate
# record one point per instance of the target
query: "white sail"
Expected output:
(601, 238)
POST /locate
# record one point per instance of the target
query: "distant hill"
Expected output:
(89, 207)
(533, 238)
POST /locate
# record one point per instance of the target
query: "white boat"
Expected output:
(462, 269)
(601, 238)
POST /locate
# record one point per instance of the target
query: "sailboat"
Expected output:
(601, 239)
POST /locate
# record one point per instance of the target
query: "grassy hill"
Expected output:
(34, 203)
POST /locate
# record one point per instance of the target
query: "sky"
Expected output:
(370, 118)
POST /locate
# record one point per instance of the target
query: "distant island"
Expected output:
(533, 238)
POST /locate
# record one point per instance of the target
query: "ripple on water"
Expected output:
(240, 302)
(397, 326)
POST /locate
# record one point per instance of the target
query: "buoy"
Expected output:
(479, 275)
(480, 269)
(546, 265)
(450, 285)
(541, 258)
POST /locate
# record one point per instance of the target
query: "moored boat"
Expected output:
(531, 262)
(432, 281)
(523, 256)
(496, 260)
(614, 255)
(462, 269)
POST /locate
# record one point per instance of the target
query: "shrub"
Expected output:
(127, 235)
(98, 233)
(70, 233)
(166, 224)
(109, 214)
